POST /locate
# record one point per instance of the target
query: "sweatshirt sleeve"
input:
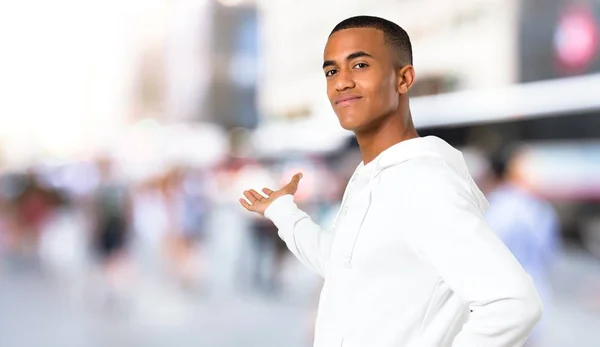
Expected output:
(444, 227)
(306, 240)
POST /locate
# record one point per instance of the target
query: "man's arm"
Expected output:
(306, 240)
(303, 237)
(448, 231)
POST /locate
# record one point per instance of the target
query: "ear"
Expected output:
(406, 78)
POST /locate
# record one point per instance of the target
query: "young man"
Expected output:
(410, 260)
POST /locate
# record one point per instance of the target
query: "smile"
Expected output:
(346, 101)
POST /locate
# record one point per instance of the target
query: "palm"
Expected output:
(258, 203)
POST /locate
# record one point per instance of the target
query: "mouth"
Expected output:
(347, 100)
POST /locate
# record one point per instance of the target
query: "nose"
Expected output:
(344, 81)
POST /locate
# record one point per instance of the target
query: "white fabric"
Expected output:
(410, 256)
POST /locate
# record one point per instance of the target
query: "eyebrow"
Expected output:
(351, 56)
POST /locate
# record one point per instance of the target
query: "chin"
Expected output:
(349, 125)
(349, 122)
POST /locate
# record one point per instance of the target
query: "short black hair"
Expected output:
(393, 34)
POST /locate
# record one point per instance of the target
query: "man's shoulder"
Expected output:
(424, 178)
(420, 170)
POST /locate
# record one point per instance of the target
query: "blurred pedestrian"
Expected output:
(111, 212)
(526, 223)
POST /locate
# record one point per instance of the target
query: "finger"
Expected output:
(257, 195)
(246, 205)
(293, 185)
(267, 191)
(297, 177)
(249, 196)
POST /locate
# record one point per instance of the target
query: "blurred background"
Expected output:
(129, 129)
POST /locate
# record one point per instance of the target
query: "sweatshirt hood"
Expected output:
(429, 146)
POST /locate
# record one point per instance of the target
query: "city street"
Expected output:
(36, 312)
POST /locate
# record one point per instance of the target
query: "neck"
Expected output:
(391, 130)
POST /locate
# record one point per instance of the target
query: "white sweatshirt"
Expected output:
(410, 261)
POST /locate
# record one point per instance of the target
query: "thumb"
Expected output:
(297, 177)
(293, 185)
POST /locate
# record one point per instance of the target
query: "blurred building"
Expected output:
(485, 45)
(490, 73)
(209, 55)
(558, 38)
(294, 48)
(235, 54)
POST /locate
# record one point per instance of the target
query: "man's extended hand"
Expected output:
(258, 203)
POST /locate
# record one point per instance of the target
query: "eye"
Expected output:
(361, 65)
(330, 73)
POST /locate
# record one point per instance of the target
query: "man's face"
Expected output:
(361, 77)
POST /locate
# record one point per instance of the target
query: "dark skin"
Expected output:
(368, 91)
(358, 64)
